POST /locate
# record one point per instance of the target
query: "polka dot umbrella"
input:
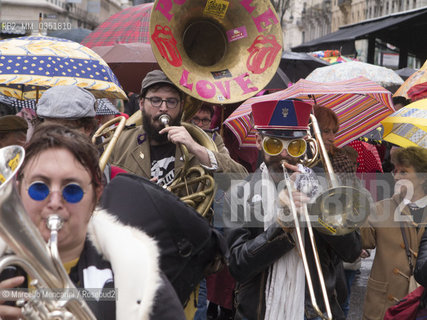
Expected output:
(30, 65)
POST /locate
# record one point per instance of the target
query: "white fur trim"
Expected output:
(134, 259)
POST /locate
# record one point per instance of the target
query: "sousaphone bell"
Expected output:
(217, 51)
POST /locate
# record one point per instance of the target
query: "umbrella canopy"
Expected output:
(418, 91)
(406, 72)
(359, 103)
(407, 126)
(123, 41)
(130, 25)
(345, 71)
(75, 34)
(105, 108)
(29, 65)
(368, 159)
(298, 65)
(280, 81)
(416, 78)
(332, 56)
(130, 62)
(103, 105)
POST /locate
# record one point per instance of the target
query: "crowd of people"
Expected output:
(122, 228)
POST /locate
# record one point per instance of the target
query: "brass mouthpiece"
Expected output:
(54, 222)
(164, 118)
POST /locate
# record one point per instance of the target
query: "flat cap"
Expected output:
(66, 102)
(154, 77)
(12, 123)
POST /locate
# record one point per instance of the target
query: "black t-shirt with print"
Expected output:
(163, 163)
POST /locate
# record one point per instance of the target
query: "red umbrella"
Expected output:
(418, 91)
(130, 62)
(369, 158)
(123, 41)
(127, 26)
(416, 78)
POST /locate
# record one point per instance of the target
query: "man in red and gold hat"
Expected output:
(264, 255)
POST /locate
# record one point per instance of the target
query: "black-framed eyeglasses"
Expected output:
(197, 120)
(71, 193)
(156, 102)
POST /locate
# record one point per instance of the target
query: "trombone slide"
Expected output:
(300, 243)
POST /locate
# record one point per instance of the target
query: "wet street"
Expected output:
(359, 288)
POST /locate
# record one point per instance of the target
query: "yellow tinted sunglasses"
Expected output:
(274, 146)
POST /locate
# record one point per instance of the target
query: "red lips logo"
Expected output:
(166, 44)
(262, 53)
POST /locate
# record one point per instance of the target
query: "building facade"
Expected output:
(315, 18)
(57, 14)
(347, 12)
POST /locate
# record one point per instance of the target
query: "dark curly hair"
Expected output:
(55, 136)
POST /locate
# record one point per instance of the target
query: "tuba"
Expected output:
(39, 260)
(217, 51)
(193, 185)
(220, 52)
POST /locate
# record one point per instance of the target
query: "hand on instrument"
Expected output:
(9, 312)
(179, 135)
(292, 169)
(300, 199)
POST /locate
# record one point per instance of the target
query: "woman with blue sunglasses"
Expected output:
(60, 175)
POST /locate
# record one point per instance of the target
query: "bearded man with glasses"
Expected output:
(150, 151)
(264, 257)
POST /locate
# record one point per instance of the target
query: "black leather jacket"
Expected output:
(420, 272)
(253, 251)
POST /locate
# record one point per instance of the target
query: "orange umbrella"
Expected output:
(416, 78)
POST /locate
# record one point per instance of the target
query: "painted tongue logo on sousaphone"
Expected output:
(215, 50)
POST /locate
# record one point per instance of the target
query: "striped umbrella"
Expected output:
(359, 103)
(418, 91)
(407, 127)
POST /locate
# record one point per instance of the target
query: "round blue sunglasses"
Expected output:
(71, 193)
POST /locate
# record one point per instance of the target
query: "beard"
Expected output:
(274, 165)
(152, 127)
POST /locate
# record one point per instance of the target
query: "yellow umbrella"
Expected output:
(417, 77)
(408, 126)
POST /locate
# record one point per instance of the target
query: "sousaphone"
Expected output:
(215, 50)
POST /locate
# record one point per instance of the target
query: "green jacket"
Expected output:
(132, 153)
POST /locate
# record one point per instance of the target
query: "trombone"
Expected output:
(333, 219)
(290, 188)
